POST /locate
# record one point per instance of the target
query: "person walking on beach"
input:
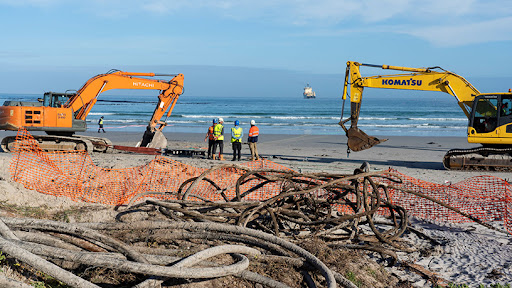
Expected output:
(211, 138)
(236, 140)
(218, 134)
(100, 125)
(254, 132)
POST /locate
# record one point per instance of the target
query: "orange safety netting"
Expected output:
(74, 175)
(486, 198)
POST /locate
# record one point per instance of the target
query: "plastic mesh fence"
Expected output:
(486, 198)
(74, 175)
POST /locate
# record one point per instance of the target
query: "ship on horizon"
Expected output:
(308, 92)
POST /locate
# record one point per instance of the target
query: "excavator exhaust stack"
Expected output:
(359, 141)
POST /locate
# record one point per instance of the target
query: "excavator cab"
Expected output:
(491, 115)
(53, 99)
(484, 116)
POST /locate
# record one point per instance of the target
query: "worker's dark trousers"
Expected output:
(219, 143)
(237, 147)
(211, 143)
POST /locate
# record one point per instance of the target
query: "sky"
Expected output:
(240, 48)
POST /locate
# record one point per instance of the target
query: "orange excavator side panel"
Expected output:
(58, 117)
(34, 118)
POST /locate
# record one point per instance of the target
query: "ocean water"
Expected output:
(390, 115)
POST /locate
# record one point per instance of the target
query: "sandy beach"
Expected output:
(418, 157)
(459, 259)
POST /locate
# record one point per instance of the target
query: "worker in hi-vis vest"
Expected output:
(218, 134)
(236, 140)
(254, 132)
(100, 125)
(211, 139)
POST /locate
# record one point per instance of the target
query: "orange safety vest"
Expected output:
(254, 131)
(210, 133)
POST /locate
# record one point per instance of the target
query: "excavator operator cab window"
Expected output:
(59, 100)
(505, 111)
(506, 106)
(47, 98)
(54, 99)
(485, 116)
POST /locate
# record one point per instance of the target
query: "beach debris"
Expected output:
(74, 175)
(339, 209)
(494, 274)
(364, 210)
(208, 260)
(426, 274)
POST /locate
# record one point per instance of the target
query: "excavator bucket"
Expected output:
(159, 141)
(154, 140)
(358, 140)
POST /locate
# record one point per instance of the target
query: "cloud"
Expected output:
(465, 34)
(305, 12)
(330, 12)
(440, 22)
(458, 23)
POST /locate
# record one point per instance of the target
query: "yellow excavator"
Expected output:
(489, 114)
(60, 115)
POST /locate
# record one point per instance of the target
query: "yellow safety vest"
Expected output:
(237, 132)
(217, 132)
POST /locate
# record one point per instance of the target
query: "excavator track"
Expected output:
(481, 158)
(64, 143)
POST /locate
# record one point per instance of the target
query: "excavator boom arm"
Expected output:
(85, 98)
(424, 79)
(420, 79)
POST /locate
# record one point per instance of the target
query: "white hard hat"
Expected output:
(253, 122)
(221, 120)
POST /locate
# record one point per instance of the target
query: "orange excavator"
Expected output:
(60, 115)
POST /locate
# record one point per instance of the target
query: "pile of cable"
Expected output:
(352, 211)
(48, 246)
